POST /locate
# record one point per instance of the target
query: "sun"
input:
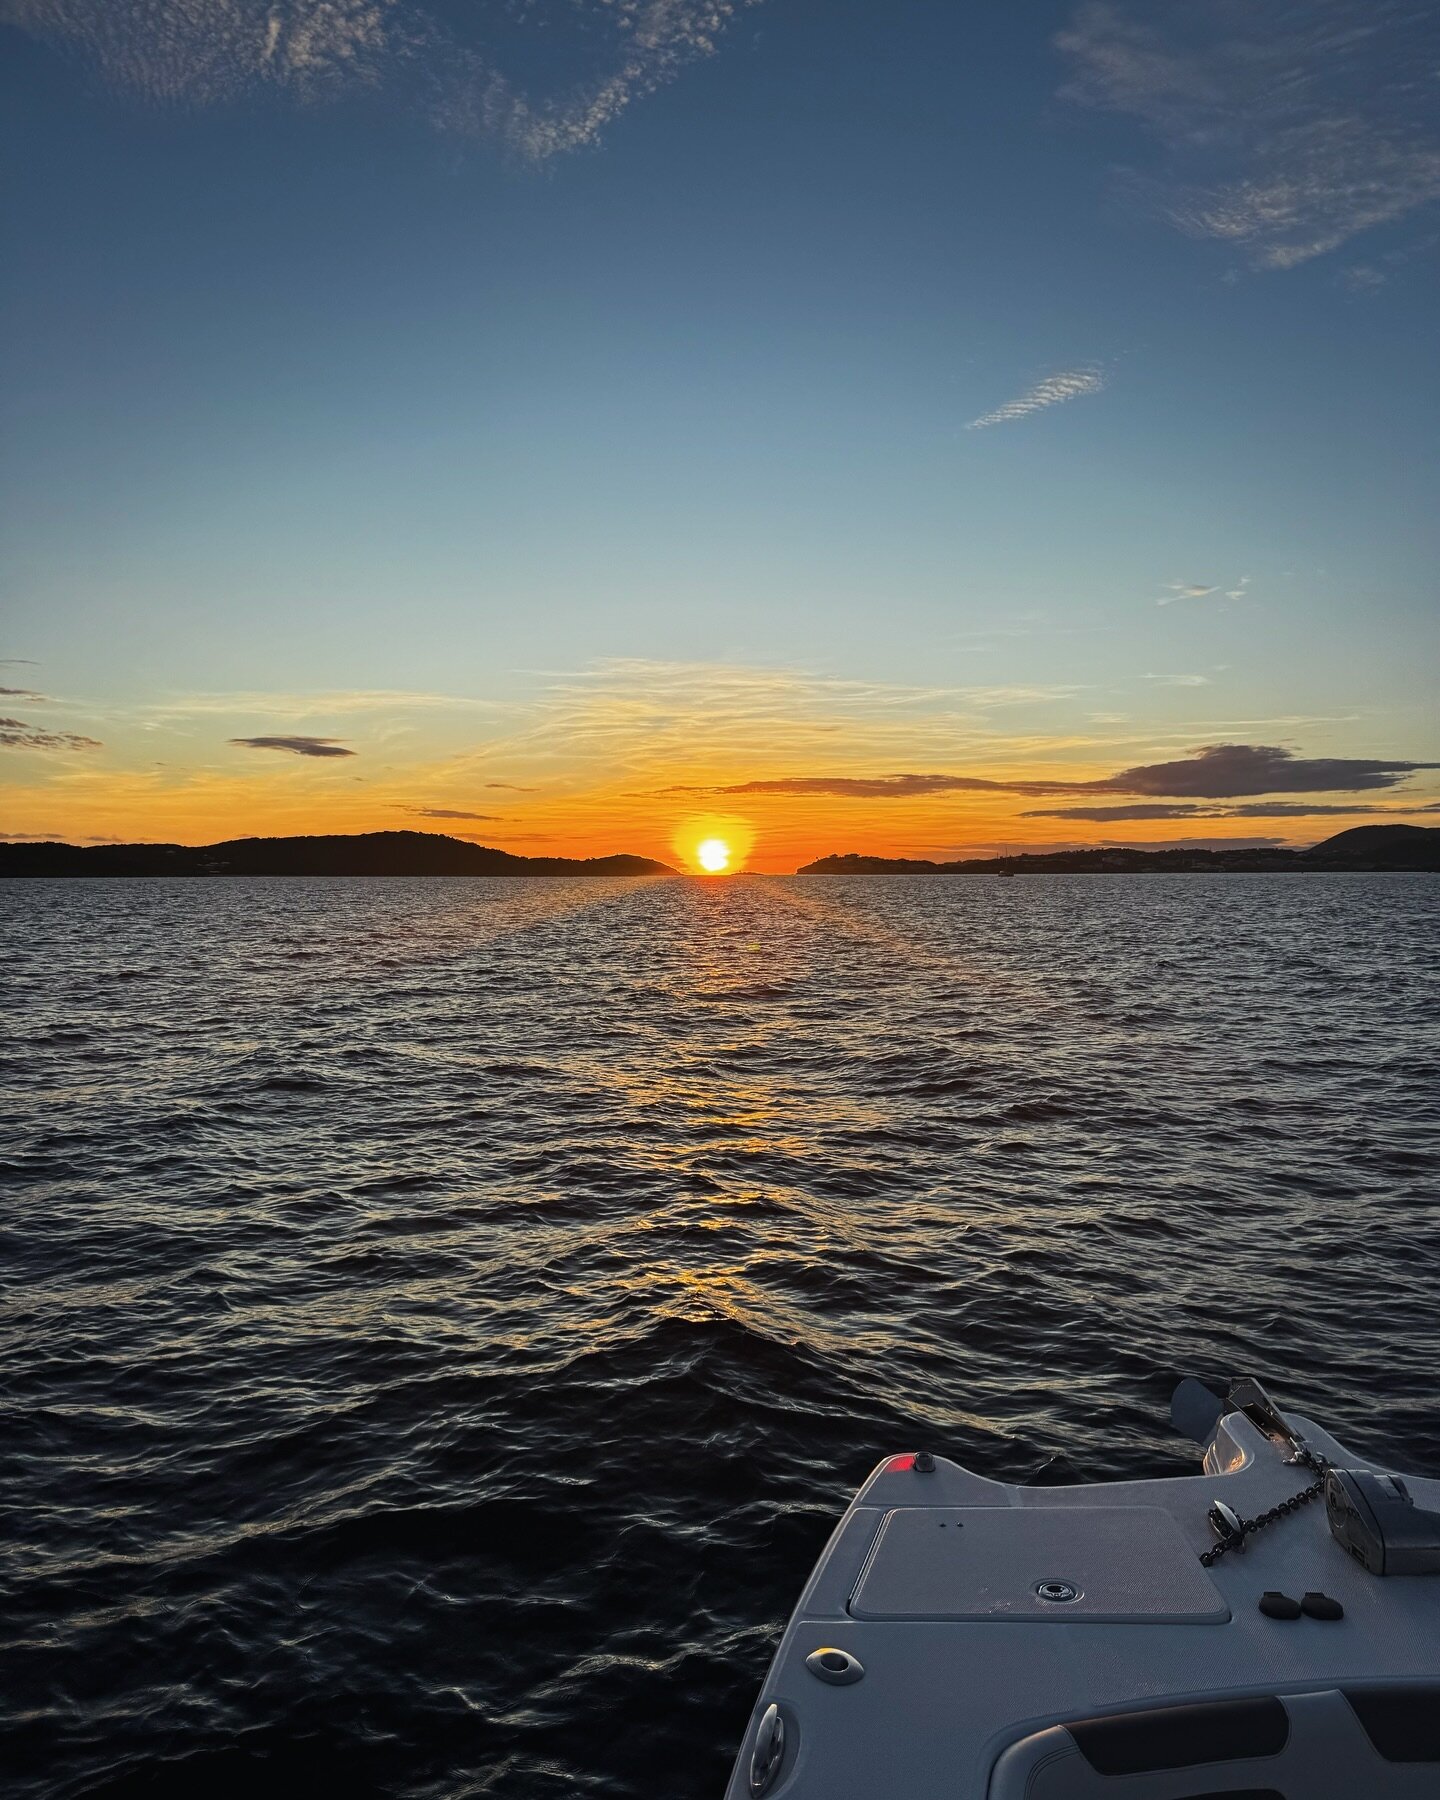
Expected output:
(713, 843)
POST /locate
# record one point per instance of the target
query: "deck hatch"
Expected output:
(1129, 1565)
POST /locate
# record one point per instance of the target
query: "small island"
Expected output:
(1365, 849)
(361, 853)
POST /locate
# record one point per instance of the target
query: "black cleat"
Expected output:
(1321, 1606)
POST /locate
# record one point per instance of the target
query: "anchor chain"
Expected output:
(1232, 1535)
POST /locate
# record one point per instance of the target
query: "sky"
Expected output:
(589, 425)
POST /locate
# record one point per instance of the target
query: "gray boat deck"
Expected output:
(930, 1580)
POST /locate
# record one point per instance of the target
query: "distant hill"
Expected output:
(1380, 847)
(365, 853)
(1364, 848)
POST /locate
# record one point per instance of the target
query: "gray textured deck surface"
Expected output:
(963, 1664)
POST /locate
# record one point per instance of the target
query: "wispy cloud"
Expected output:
(1285, 130)
(1054, 390)
(1369, 277)
(1213, 841)
(858, 787)
(647, 44)
(445, 812)
(16, 734)
(1187, 681)
(22, 694)
(1176, 591)
(653, 719)
(55, 837)
(194, 52)
(295, 746)
(454, 70)
(1262, 809)
(318, 704)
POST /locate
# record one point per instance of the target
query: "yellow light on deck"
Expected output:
(713, 855)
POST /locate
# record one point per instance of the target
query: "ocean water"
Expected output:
(442, 1320)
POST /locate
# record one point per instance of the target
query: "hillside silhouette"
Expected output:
(363, 853)
(1363, 849)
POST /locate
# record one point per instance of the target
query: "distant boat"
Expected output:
(1006, 874)
(992, 1642)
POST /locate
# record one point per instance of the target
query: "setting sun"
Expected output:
(714, 843)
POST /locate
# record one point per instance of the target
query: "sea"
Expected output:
(443, 1319)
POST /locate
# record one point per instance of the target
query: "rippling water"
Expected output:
(443, 1319)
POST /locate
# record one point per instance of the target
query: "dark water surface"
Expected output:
(442, 1319)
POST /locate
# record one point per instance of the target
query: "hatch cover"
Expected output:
(1040, 1565)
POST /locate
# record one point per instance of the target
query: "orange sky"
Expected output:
(633, 757)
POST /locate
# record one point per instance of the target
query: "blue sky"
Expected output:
(1034, 390)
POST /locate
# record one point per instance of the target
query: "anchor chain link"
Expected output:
(1233, 1536)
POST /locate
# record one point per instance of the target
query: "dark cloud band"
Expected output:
(445, 812)
(1215, 772)
(295, 746)
(15, 734)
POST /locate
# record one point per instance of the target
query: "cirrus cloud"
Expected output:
(1054, 390)
(1176, 591)
(1285, 130)
(453, 68)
